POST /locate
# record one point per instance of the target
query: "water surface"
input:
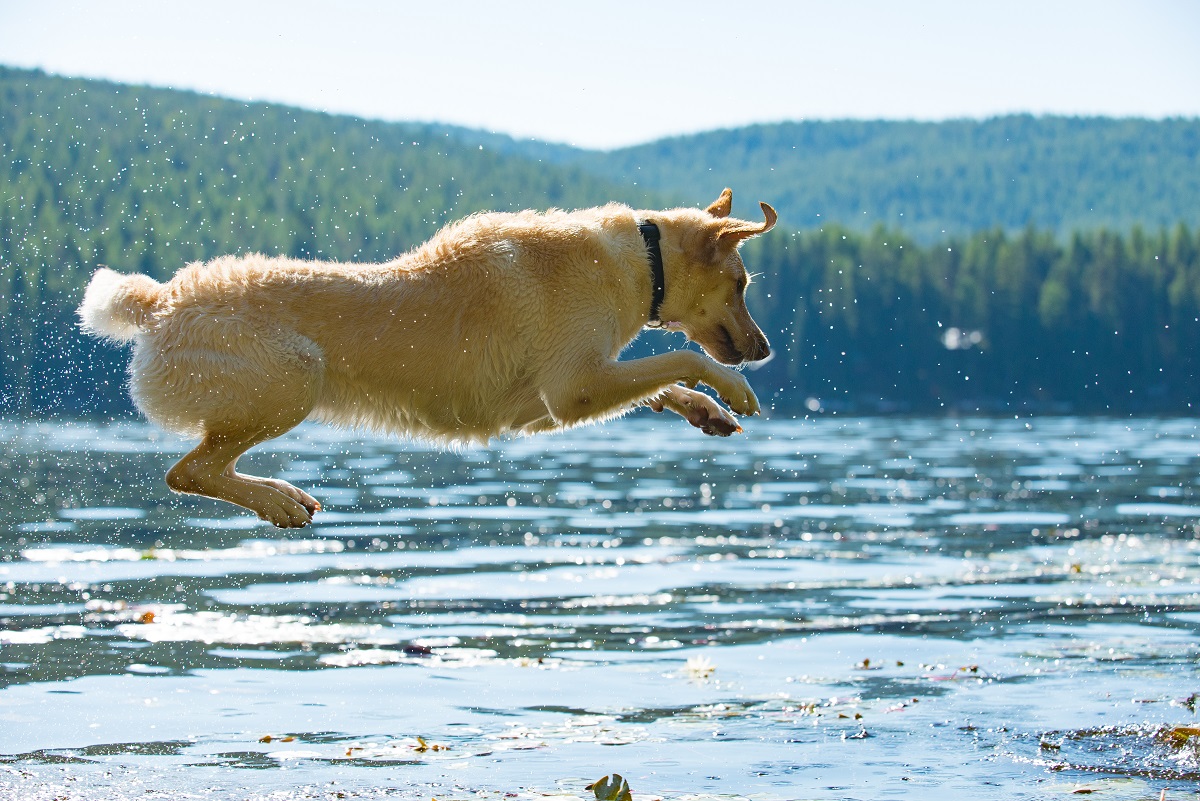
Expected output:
(829, 609)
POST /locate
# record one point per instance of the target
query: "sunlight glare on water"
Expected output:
(831, 608)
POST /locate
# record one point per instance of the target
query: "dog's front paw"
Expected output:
(721, 424)
(705, 413)
(735, 391)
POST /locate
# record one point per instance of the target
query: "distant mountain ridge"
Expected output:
(929, 179)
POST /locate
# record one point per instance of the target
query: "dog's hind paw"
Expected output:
(310, 504)
(280, 510)
(288, 515)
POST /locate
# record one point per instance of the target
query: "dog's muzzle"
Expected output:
(759, 350)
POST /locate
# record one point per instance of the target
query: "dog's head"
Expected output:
(706, 280)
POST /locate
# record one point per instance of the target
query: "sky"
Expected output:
(613, 73)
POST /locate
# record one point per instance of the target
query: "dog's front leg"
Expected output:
(606, 387)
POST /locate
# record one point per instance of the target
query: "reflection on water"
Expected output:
(832, 608)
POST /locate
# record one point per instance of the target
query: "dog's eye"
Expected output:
(741, 284)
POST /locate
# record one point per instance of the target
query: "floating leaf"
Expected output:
(611, 788)
(422, 746)
(1179, 736)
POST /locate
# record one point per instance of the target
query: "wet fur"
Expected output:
(500, 323)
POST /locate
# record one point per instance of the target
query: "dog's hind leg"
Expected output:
(209, 470)
(236, 385)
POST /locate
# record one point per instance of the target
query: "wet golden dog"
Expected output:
(500, 323)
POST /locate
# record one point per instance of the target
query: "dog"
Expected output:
(501, 323)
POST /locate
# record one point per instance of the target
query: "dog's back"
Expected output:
(444, 343)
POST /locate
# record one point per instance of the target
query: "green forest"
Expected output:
(1076, 288)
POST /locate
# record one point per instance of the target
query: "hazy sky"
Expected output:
(603, 74)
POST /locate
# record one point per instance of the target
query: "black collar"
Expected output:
(651, 236)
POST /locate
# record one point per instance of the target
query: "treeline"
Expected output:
(147, 180)
(995, 322)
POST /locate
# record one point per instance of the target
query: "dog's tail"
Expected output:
(117, 306)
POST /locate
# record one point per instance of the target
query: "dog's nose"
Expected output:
(759, 350)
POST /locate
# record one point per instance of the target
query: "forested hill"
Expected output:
(146, 180)
(929, 179)
(168, 176)
(982, 317)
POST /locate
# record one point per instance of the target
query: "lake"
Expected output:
(827, 608)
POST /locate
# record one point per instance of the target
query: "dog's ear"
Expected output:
(722, 205)
(731, 232)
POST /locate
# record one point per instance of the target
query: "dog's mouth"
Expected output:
(726, 351)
